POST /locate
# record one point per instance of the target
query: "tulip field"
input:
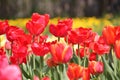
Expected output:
(44, 48)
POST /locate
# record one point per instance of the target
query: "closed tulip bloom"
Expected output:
(61, 53)
(38, 23)
(74, 71)
(96, 67)
(109, 34)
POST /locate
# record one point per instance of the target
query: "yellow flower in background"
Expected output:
(2, 40)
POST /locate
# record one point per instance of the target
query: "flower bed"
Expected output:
(74, 53)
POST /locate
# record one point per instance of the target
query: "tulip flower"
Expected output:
(86, 74)
(117, 48)
(109, 34)
(74, 71)
(19, 50)
(96, 67)
(93, 56)
(99, 46)
(80, 35)
(61, 53)
(3, 27)
(17, 60)
(13, 32)
(3, 61)
(39, 49)
(10, 72)
(83, 52)
(38, 23)
(62, 28)
(2, 52)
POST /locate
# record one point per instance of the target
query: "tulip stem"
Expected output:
(58, 39)
(41, 66)
(59, 73)
(78, 54)
(84, 56)
(110, 56)
(33, 61)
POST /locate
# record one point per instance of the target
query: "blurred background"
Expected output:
(62, 8)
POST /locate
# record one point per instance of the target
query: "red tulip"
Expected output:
(80, 35)
(62, 28)
(117, 48)
(61, 53)
(17, 60)
(100, 46)
(38, 23)
(13, 33)
(43, 19)
(86, 74)
(3, 61)
(39, 49)
(109, 34)
(101, 49)
(3, 27)
(93, 56)
(2, 52)
(83, 52)
(74, 71)
(96, 67)
(19, 50)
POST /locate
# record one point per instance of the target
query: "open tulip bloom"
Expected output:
(75, 54)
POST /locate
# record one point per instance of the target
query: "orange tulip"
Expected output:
(117, 48)
(74, 71)
(109, 34)
(61, 53)
(86, 74)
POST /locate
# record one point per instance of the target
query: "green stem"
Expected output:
(59, 73)
(29, 67)
(84, 56)
(78, 54)
(41, 66)
(52, 74)
(58, 39)
(33, 56)
(110, 56)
